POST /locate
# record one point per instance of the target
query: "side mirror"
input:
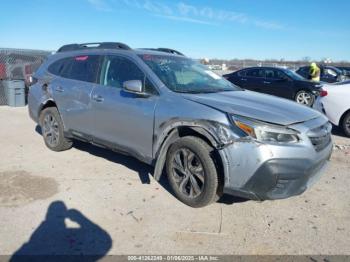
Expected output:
(134, 87)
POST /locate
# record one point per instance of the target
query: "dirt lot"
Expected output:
(92, 200)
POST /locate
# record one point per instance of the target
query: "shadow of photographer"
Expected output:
(54, 241)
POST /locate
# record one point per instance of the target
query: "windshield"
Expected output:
(293, 75)
(184, 75)
(337, 70)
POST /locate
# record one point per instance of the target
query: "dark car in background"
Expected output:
(329, 74)
(277, 81)
(345, 69)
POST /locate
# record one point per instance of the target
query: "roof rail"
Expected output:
(102, 45)
(165, 50)
(171, 51)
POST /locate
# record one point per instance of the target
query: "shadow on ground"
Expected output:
(144, 171)
(54, 241)
(229, 200)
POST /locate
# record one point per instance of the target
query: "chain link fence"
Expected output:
(18, 64)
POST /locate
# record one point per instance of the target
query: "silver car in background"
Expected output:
(208, 136)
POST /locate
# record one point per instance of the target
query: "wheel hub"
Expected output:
(304, 98)
(188, 173)
(50, 130)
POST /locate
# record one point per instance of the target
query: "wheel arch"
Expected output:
(50, 103)
(343, 116)
(46, 104)
(183, 131)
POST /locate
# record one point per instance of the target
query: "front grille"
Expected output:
(320, 137)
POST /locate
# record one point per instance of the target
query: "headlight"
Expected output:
(265, 132)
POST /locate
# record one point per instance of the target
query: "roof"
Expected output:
(263, 67)
(115, 46)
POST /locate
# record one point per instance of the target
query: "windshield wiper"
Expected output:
(204, 91)
(189, 91)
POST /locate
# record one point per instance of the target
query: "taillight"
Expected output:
(32, 80)
(2, 71)
(323, 93)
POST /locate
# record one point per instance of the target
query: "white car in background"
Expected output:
(336, 105)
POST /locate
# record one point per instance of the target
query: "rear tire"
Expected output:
(304, 97)
(346, 124)
(52, 130)
(191, 171)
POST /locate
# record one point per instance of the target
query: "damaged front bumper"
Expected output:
(263, 171)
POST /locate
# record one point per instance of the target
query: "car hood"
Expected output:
(258, 106)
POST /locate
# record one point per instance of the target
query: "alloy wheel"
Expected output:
(304, 98)
(188, 173)
(50, 130)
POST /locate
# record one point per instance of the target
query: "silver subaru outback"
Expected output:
(208, 136)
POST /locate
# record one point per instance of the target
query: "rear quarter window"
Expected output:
(82, 68)
(57, 67)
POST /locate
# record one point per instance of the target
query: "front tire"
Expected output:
(304, 97)
(346, 124)
(52, 130)
(191, 171)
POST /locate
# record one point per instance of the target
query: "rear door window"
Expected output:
(274, 74)
(255, 73)
(83, 68)
(270, 73)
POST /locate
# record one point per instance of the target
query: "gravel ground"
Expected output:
(91, 200)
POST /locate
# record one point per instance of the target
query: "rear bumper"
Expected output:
(318, 106)
(265, 172)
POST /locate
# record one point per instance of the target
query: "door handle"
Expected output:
(59, 89)
(98, 98)
(243, 79)
(267, 82)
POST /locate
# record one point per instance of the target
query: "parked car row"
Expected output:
(279, 82)
(206, 134)
(331, 99)
(329, 74)
(345, 69)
